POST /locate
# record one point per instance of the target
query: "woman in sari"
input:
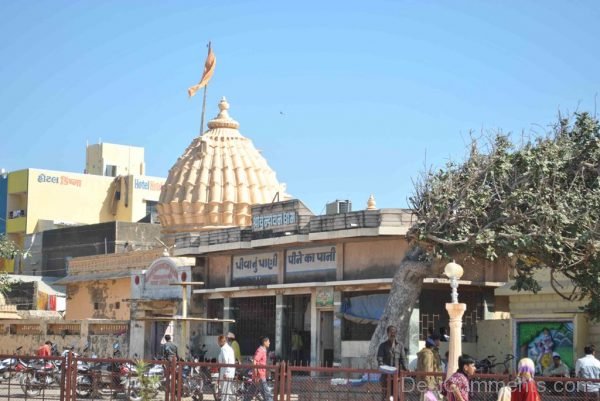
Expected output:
(526, 389)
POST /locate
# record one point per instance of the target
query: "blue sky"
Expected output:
(371, 92)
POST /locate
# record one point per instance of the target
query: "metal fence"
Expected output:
(73, 378)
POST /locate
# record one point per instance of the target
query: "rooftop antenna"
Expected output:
(167, 249)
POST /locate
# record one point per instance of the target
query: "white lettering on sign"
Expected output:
(255, 265)
(266, 221)
(310, 259)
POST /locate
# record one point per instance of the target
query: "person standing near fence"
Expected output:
(169, 349)
(588, 367)
(457, 386)
(526, 389)
(260, 374)
(428, 360)
(557, 369)
(236, 347)
(226, 373)
(390, 353)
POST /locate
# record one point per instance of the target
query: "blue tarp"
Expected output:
(364, 308)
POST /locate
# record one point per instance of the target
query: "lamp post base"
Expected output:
(456, 312)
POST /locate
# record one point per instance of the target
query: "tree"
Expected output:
(534, 206)
(8, 250)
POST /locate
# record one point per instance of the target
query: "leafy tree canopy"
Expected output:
(8, 250)
(536, 205)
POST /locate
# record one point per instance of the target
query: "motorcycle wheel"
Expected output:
(28, 386)
(83, 386)
(133, 390)
(105, 390)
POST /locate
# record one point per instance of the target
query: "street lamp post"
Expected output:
(454, 272)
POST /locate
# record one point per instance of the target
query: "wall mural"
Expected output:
(539, 339)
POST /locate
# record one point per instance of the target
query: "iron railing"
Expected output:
(73, 378)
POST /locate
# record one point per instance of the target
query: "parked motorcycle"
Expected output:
(8, 367)
(38, 376)
(106, 378)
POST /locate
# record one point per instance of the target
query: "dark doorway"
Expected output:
(254, 318)
(296, 329)
(159, 329)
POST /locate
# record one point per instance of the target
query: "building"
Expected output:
(545, 322)
(39, 200)
(276, 268)
(62, 244)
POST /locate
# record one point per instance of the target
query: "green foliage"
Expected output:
(146, 385)
(8, 249)
(536, 206)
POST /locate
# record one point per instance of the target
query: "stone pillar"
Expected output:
(314, 334)
(456, 312)
(279, 306)
(337, 328)
(137, 334)
(227, 315)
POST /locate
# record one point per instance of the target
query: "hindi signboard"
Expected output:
(269, 221)
(255, 265)
(313, 259)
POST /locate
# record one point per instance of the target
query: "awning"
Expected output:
(77, 278)
(364, 309)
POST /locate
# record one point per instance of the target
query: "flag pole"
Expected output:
(204, 102)
(203, 111)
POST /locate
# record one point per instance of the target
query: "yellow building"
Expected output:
(39, 200)
(112, 160)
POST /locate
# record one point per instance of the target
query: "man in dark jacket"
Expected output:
(390, 353)
(169, 349)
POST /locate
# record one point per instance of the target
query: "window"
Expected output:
(151, 211)
(110, 170)
(117, 305)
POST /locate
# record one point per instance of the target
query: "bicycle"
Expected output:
(488, 364)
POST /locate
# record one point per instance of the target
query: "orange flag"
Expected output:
(209, 69)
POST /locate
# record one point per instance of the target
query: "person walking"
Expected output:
(588, 367)
(526, 389)
(226, 373)
(260, 374)
(456, 387)
(236, 347)
(428, 360)
(390, 353)
(169, 349)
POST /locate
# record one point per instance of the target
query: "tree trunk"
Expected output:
(405, 292)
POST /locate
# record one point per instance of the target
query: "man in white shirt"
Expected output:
(226, 374)
(588, 367)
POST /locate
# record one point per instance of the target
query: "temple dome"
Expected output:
(216, 180)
